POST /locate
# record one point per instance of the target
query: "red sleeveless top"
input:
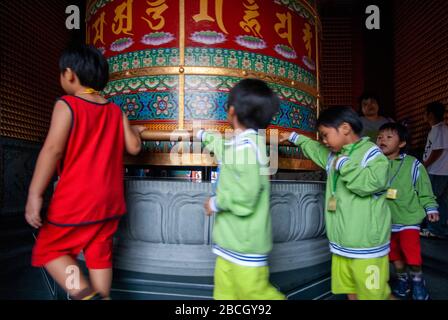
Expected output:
(91, 187)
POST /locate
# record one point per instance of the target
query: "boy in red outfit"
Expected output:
(86, 141)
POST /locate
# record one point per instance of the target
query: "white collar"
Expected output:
(245, 133)
(240, 136)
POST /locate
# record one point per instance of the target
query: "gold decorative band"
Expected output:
(213, 71)
(158, 126)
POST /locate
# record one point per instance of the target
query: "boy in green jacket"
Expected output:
(242, 233)
(410, 199)
(358, 220)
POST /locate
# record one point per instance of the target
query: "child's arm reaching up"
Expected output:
(312, 149)
(133, 142)
(51, 153)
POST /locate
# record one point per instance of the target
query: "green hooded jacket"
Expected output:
(361, 225)
(242, 231)
(414, 198)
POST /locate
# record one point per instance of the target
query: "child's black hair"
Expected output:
(254, 102)
(400, 130)
(437, 109)
(334, 117)
(88, 63)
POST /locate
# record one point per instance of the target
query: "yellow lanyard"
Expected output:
(90, 91)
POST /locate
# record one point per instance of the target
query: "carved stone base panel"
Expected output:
(167, 232)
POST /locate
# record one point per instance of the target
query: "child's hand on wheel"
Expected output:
(284, 136)
(208, 209)
(139, 129)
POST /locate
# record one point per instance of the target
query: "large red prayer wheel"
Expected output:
(173, 62)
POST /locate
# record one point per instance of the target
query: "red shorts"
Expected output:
(95, 240)
(405, 246)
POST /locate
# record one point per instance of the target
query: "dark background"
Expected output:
(405, 63)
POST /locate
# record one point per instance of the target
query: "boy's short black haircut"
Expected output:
(437, 109)
(88, 63)
(254, 102)
(400, 130)
(334, 117)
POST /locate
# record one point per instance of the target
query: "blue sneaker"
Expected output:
(419, 291)
(401, 288)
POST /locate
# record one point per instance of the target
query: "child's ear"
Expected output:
(231, 113)
(231, 116)
(69, 74)
(402, 144)
(345, 128)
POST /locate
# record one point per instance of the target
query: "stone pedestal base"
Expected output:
(166, 232)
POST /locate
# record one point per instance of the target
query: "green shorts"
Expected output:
(235, 282)
(367, 278)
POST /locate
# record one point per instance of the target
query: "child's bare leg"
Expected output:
(352, 296)
(101, 280)
(76, 285)
(400, 266)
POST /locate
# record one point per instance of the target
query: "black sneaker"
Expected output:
(419, 291)
(401, 288)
